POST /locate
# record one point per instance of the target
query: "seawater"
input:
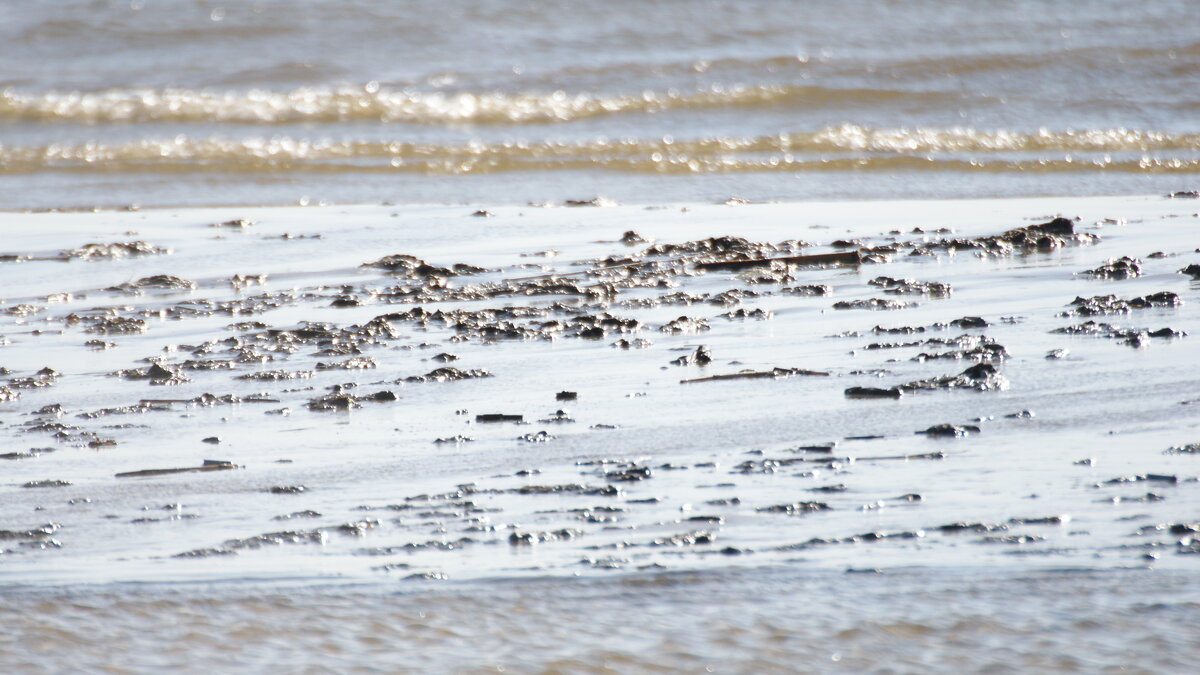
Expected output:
(162, 102)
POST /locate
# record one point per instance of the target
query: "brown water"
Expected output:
(181, 102)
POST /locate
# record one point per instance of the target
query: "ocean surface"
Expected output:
(197, 102)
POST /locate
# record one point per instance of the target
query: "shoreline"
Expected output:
(731, 200)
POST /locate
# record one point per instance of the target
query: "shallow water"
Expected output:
(759, 620)
(181, 102)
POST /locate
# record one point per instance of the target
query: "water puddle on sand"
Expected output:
(427, 393)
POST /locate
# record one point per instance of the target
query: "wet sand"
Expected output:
(392, 397)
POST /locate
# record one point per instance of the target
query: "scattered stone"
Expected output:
(949, 430)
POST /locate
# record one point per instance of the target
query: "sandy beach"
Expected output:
(362, 406)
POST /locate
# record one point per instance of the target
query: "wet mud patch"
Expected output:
(704, 475)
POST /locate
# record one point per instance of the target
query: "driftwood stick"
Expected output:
(774, 374)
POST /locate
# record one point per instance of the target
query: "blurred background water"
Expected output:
(166, 102)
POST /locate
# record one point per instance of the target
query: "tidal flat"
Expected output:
(407, 403)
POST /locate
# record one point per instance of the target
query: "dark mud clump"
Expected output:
(158, 281)
(1188, 449)
(981, 377)
(684, 325)
(49, 483)
(1046, 236)
(532, 538)
(934, 289)
(795, 508)
(46, 377)
(977, 348)
(809, 290)
(1100, 305)
(701, 357)
(447, 374)
(413, 267)
(232, 546)
(725, 248)
(1117, 268)
(949, 430)
(339, 401)
(113, 251)
(111, 325)
(1134, 337)
(236, 223)
(156, 373)
(276, 375)
(875, 304)
(355, 363)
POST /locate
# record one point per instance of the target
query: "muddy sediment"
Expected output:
(473, 358)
